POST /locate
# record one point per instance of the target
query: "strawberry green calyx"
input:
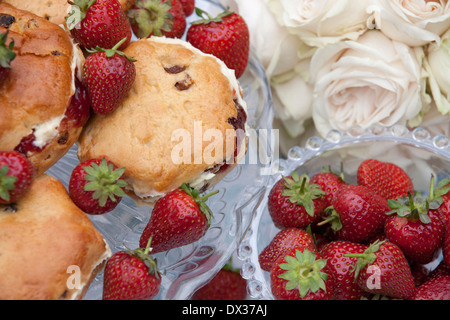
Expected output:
(152, 17)
(6, 52)
(304, 272)
(77, 12)
(365, 258)
(104, 181)
(201, 201)
(114, 50)
(207, 18)
(143, 254)
(300, 191)
(416, 207)
(7, 183)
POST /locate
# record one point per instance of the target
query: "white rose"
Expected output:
(372, 80)
(437, 64)
(414, 22)
(319, 22)
(285, 59)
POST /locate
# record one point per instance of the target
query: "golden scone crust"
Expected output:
(44, 239)
(180, 96)
(53, 10)
(40, 85)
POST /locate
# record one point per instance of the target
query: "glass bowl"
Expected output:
(418, 152)
(189, 267)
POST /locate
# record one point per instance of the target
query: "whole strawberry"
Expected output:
(95, 186)
(301, 275)
(109, 75)
(295, 202)
(157, 17)
(342, 268)
(357, 213)
(6, 56)
(283, 242)
(131, 275)
(179, 218)
(416, 226)
(188, 7)
(385, 178)
(383, 269)
(98, 23)
(437, 288)
(330, 183)
(226, 36)
(16, 176)
(227, 284)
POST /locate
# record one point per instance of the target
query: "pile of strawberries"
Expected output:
(371, 239)
(96, 185)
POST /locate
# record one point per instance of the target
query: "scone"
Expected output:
(43, 103)
(184, 121)
(49, 249)
(53, 10)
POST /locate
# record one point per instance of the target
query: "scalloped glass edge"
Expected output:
(315, 146)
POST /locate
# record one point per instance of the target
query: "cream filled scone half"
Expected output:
(49, 248)
(43, 103)
(184, 121)
(53, 10)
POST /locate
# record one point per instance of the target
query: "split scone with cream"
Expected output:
(43, 104)
(49, 249)
(184, 121)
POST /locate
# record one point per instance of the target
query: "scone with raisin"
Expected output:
(49, 249)
(184, 121)
(43, 104)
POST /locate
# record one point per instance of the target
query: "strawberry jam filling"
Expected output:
(76, 115)
(238, 124)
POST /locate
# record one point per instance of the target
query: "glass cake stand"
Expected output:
(189, 267)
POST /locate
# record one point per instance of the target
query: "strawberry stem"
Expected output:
(201, 201)
(206, 18)
(304, 272)
(365, 258)
(301, 192)
(114, 50)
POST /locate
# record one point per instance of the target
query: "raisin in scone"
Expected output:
(53, 10)
(183, 121)
(49, 249)
(43, 103)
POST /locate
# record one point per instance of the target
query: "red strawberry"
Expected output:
(342, 268)
(95, 186)
(357, 214)
(6, 56)
(131, 275)
(330, 183)
(188, 7)
(101, 23)
(437, 288)
(179, 218)
(157, 17)
(225, 36)
(227, 284)
(295, 202)
(415, 225)
(446, 246)
(383, 269)
(385, 178)
(443, 190)
(16, 176)
(283, 242)
(301, 275)
(106, 92)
